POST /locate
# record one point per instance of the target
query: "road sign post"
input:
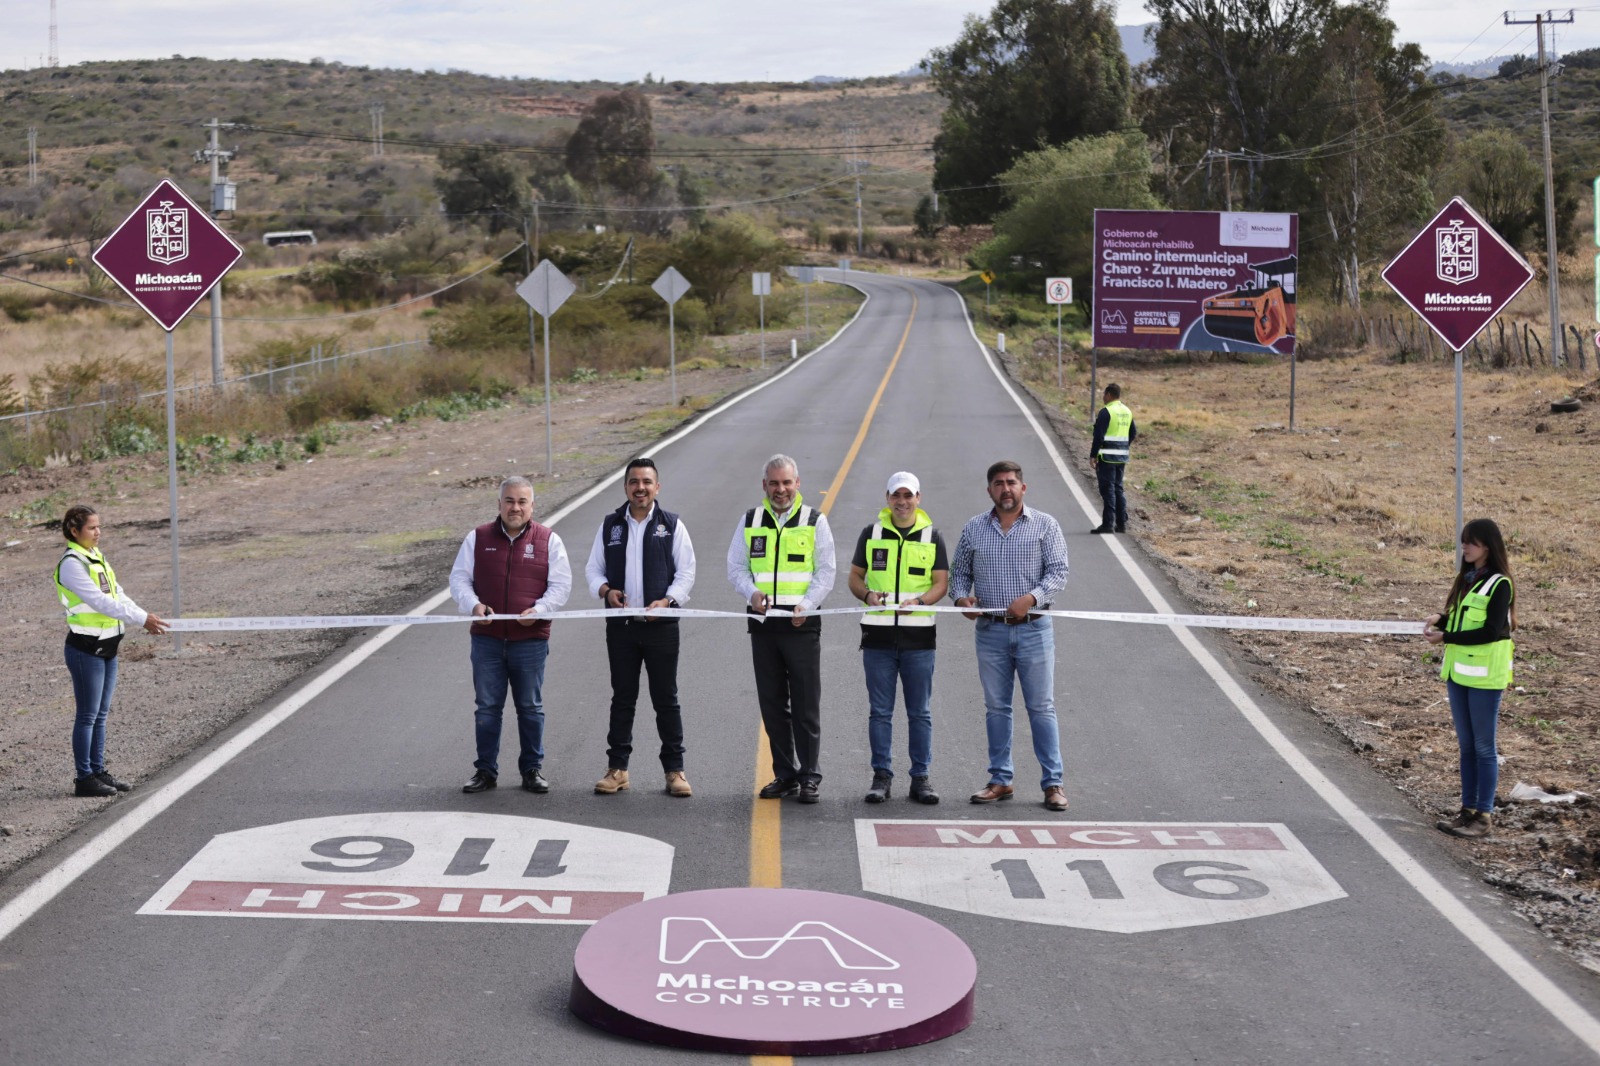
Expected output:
(671, 286)
(988, 280)
(166, 256)
(1458, 274)
(805, 275)
(761, 287)
(545, 290)
(1058, 291)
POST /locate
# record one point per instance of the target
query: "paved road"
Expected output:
(1318, 950)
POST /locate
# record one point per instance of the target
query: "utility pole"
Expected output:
(855, 168)
(216, 156)
(55, 52)
(33, 155)
(1552, 269)
(377, 129)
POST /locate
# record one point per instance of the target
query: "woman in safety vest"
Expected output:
(96, 612)
(1475, 630)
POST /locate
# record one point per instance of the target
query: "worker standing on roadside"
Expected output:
(1475, 629)
(97, 609)
(900, 563)
(642, 557)
(782, 556)
(516, 566)
(1114, 434)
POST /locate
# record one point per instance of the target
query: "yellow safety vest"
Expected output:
(900, 567)
(1114, 445)
(782, 559)
(81, 618)
(1477, 665)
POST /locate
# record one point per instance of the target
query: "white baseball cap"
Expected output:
(904, 479)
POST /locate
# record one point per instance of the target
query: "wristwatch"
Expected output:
(672, 602)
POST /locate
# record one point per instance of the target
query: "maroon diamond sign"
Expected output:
(1457, 274)
(773, 971)
(167, 254)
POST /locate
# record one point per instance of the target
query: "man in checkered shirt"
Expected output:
(1013, 559)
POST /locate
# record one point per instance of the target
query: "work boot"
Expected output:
(879, 790)
(92, 786)
(1477, 829)
(615, 781)
(922, 791)
(115, 782)
(1450, 825)
(678, 785)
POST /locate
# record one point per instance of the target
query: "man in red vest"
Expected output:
(511, 566)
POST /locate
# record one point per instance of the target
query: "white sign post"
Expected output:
(805, 275)
(761, 288)
(1058, 291)
(671, 286)
(545, 290)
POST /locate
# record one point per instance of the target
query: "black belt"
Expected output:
(1008, 620)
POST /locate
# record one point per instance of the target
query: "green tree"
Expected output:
(1047, 227)
(482, 183)
(1498, 176)
(927, 218)
(722, 253)
(614, 144)
(1034, 73)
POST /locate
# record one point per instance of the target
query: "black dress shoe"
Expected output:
(1101, 529)
(809, 792)
(92, 786)
(1122, 529)
(481, 780)
(116, 783)
(922, 791)
(534, 781)
(778, 788)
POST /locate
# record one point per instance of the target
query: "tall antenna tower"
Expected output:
(55, 52)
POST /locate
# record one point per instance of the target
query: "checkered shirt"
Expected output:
(998, 567)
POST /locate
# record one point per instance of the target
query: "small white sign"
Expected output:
(805, 275)
(671, 285)
(546, 289)
(761, 284)
(844, 265)
(1119, 877)
(1058, 290)
(419, 866)
(1254, 229)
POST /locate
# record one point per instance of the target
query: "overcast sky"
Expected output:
(613, 40)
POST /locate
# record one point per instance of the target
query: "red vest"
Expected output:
(509, 576)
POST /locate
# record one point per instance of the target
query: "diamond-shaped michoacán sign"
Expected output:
(1457, 274)
(167, 254)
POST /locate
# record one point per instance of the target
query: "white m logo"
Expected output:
(682, 938)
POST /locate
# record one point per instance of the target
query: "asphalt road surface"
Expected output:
(1248, 894)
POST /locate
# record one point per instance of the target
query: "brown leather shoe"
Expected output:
(1450, 825)
(1055, 798)
(991, 792)
(677, 784)
(1477, 829)
(614, 781)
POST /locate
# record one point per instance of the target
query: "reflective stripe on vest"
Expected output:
(1477, 665)
(81, 618)
(1114, 445)
(781, 560)
(900, 567)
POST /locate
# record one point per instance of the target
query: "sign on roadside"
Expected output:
(761, 284)
(545, 290)
(671, 286)
(1208, 281)
(167, 254)
(1058, 290)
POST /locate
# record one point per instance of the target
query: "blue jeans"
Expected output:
(1113, 503)
(1475, 712)
(1006, 655)
(914, 668)
(93, 681)
(518, 664)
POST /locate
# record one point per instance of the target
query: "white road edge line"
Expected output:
(1563, 1007)
(54, 881)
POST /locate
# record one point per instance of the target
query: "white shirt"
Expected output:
(75, 576)
(744, 583)
(558, 581)
(633, 573)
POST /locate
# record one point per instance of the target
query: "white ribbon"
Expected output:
(1191, 621)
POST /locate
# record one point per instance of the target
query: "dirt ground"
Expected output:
(1352, 515)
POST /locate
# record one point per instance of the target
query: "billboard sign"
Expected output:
(167, 254)
(1207, 281)
(1457, 274)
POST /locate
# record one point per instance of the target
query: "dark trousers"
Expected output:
(630, 644)
(788, 664)
(1113, 504)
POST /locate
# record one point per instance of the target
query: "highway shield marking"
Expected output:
(1119, 877)
(427, 866)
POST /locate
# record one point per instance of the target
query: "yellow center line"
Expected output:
(766, 816)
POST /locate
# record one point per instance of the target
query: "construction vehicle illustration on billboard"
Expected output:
(1260, 313)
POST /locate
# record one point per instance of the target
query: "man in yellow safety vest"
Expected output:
(1114, 434)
